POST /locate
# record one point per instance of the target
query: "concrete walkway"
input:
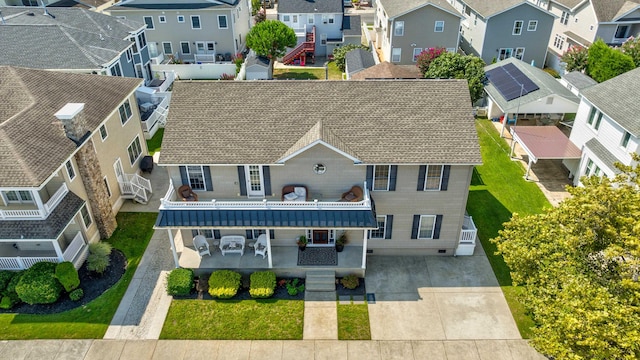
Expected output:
(267, 350)
(320, 316)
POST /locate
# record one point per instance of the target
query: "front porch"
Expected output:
(22, 254)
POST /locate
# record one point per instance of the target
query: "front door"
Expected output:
(117, 167)
(254, 180)
(320, 237)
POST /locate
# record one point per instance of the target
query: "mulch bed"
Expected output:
(341, 290)
(92, 284)
(243, 292)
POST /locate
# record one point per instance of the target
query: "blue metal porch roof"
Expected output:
(362, 219)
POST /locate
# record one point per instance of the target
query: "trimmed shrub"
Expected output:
(224, 284)
(294, 287)
(350, 281)
(180, 282)
(11, 286)
(5, 277)
(9, 296)
(263, 284)
(76, 294)
(340, 53)
(39, 285)
(98, 260)
(67, 274)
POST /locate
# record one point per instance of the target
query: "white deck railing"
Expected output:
(21, 214)
(74, 248)
(168, 202)
(468, 232)
(48, 207)
(21, 263)
(135, 186)
(204, 58)
(158, 117)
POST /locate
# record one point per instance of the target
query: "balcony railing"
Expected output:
(168, 202)
(21, 263)
(74, 248)
(468, 232)
(47, 209)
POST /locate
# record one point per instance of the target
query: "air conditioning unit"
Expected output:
(481, 112)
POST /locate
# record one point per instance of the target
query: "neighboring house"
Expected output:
(93, 5)
(321, 24)
(606, 127)
(190, 30)
(70, 146)
(357, 60)
(576, 81)
(405, 28)
(387, 70)
(581, 22)
(317, 172)
(258, 68)
(515, 87)
(73, 40)
(497, 30)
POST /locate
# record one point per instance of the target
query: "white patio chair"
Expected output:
(261, 246)
(202, 246)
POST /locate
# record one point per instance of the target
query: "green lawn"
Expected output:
(155, 143)
(268, 319)
(353, 322)
(303, 73)
(497, 190)
(90, 321)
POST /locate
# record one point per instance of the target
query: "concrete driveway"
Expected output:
(437, 298)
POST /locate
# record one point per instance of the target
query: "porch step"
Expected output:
(320, 280)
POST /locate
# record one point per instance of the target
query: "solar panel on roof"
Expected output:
(510, 81)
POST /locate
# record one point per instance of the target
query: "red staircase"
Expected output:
(304, 49)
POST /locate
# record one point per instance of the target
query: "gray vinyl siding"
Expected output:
(499, 34)
(340, 176)
(419, 28)
(175, 32)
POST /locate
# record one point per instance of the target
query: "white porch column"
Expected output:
(173, 248)
(364, 249)
(36, 197)
(269, 249)
(56, 247)
(504, 124)
(526, 175)
(513, 147)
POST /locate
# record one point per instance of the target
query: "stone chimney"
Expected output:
(76, 129)
(73, 121)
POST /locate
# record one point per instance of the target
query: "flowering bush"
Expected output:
(227, 77)
(576, 58)
(424, 59)
(631, 47)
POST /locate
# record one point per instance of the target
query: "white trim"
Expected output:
(153, 25)
(513, 31)
(321, 142)
(247, 175)
(103, 126)
(106, 182)
(124, 122)
(204, 180)
(160, 17)
(137, 137)
(435, 26)
(420, 227)
(374, 178)
(69, 170)
(226, 20)
(399, 55)
(170, 45)
(398, 25)
(182, 49)
(415, 56)
(86, 227)
(384, 228)
(178, 19)
(426, 176)
(529, 25)
(199, 22)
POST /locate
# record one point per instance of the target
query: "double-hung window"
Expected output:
(195, 22)
(195, 174)
(439, 26)
(103, 132)
(625, 139)
(519, 53)
(184, 46)
(427, 226)
(532, 25)
(222, 22)
(396, 54)
(504, 53)
(86, 217)
(381, 175)
(564, 19)
(416, 53)
(18, 196)
(70, 171)
(115, 69)
(380, 232)
(125, 112)
(149, 21)
(167, 48)
(433, 177)
(398, 29)
(134, 150)
(517, 27)
(595, 118)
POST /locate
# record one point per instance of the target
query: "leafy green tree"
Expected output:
(455, 66)
(605, 63)
(631, 47)
(576, 58)
(270, 38)
(340, 53)
(255, 6)
(579, 265)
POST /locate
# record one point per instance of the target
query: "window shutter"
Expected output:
(249, 234)
(183, 175)
(436, 229)
(421, 175)
(242, 181)
(266, 174)
(389, 226)
(272, 234)
(194, 233)
(369, 177)
(445, 178)
(216, 234)
(208, 184)
(393, 173)
(414, 229)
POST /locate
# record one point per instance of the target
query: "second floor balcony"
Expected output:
(32, 204)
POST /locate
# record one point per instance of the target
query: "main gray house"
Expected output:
(190, 30)
(73, 40)
(406, 28)
(393, 176)
(497, 30)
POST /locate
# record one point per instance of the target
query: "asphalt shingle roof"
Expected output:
(351, 25)
(570, 4)
(310, 6)
(49, 228)
(32, 141)
(394, 8)
(579, 80)
(615, 98)
(608, 10)
(387, 70)
(172, 4)
(547, 85)
(488, 8)
(603, 154)
(71, 38)
(411, 121)
(359, 59)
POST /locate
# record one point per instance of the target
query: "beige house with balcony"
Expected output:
(70, 147)
(393, 176)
